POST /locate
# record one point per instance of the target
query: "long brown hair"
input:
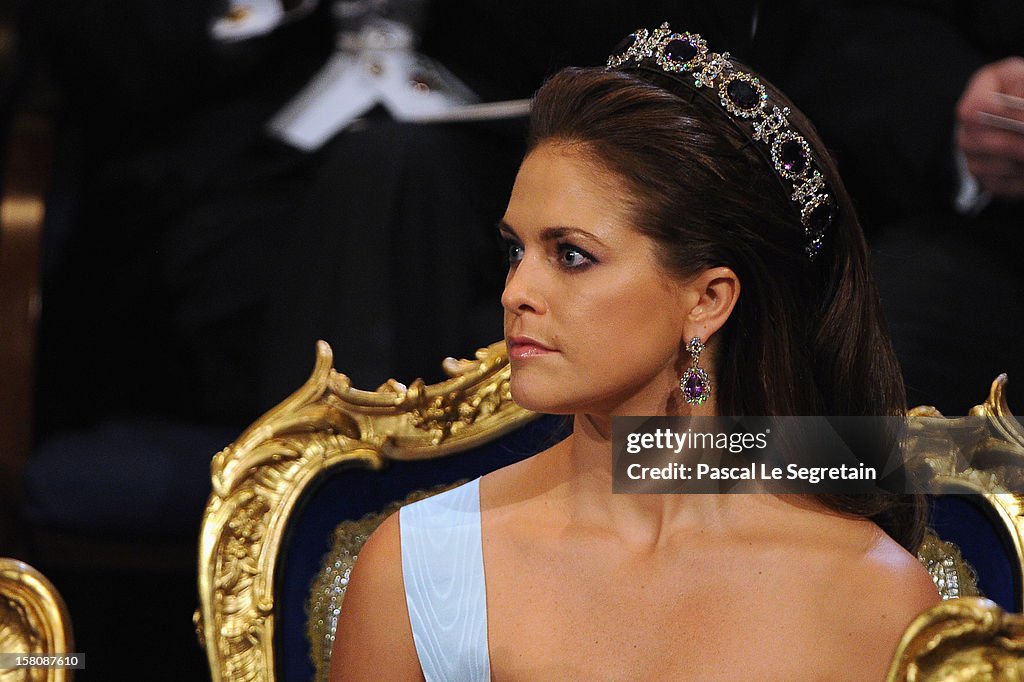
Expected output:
(805, 338)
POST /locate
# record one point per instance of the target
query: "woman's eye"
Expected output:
(513, 252)
(571, 257)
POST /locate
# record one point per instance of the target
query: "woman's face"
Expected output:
(593, 324)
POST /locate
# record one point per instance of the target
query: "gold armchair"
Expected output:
(977, 462)
(277, 471)
(971, 638)
(33, 620)
(321, 447)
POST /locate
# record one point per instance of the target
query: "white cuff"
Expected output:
(970, 198)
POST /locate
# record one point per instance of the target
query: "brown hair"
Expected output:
(805, 338)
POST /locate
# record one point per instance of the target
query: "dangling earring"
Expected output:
(694, 384)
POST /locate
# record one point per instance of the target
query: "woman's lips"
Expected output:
(524, 347)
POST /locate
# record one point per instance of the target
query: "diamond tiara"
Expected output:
(743, 99)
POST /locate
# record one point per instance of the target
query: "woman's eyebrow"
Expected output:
(551, 234)
(556, 233)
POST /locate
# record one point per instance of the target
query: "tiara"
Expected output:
(743, 99)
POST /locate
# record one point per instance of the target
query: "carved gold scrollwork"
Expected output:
(971, 638)
(258, 480)
(959, 640)
(33, 620)
(982, 453)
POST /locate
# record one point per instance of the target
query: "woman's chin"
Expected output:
(535, 398)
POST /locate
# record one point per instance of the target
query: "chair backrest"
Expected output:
(281, 490)
(977, 463)
(316, 459)
(33, 621)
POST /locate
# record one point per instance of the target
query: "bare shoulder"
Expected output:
(374, 617)
(899, 574)
(880, 595)
(902, 586)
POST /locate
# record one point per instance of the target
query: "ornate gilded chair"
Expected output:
(33, 620)
(313, 461)
(274, 560)
(977, 463)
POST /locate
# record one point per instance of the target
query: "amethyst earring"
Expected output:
(694, 384)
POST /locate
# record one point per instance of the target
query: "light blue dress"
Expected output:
(443, 570)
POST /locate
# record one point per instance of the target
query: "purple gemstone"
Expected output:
(794, 158)
(694, 387)
(626, 43)
(821, 217)
(680, 50)
(742, 94)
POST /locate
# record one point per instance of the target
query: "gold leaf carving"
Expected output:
(33, 620)
(982, 453)
(960, 640)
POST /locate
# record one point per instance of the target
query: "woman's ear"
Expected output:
(716, 291)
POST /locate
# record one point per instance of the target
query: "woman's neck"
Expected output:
(582, 471)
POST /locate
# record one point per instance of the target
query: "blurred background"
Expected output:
(194, 192)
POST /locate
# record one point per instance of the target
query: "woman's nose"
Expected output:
(522, 289)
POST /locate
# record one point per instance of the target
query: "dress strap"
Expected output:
(443, 570)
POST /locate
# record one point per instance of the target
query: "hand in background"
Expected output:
(991, 132)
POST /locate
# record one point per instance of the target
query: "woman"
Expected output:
(671, 204)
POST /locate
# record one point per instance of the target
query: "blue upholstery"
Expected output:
(969, 522)
(350, 492)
